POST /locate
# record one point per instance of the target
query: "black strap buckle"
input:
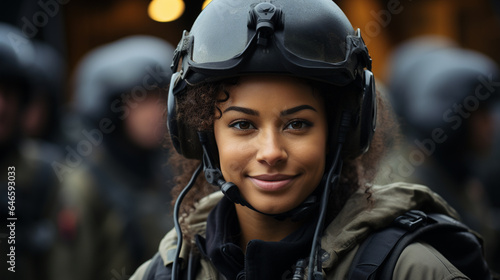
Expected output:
(411, 220)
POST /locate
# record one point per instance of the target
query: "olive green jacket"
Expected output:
(364, 212)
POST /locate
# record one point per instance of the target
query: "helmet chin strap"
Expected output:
(214, 176)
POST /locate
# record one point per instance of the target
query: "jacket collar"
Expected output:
(263, 260)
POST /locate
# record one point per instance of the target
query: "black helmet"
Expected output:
(403, 59)
(428, 87)
(48, 69)
(133, 64)
(16, 57)
(307, 39)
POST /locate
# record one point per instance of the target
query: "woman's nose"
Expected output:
(271, 150)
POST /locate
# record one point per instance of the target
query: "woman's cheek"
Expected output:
(234, 156)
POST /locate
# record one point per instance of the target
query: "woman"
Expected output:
(278, 101)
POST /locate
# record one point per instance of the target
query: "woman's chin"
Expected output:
(272, 206)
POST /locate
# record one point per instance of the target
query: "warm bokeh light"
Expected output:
(166, 10)
(205, 4)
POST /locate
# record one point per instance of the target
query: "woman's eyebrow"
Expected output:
(282, 114)
(243, 110)
(296, 109)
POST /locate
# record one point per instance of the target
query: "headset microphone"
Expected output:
(214, 175)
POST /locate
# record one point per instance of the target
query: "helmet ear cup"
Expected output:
(368, 114)
(184, 138)
(363, 108)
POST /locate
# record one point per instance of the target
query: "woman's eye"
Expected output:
(298, 125)
(242, 125)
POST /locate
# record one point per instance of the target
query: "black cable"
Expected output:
(176, 264)
(330, 184)
(332, 180)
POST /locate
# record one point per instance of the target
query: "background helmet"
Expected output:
(432, 79)
(307, 39)
(403, 60)
(16, 57)
(48, 68)
(47, 77)
(131, 65)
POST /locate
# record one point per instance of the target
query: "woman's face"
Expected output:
(271, 139)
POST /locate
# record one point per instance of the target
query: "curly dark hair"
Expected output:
(198, 109)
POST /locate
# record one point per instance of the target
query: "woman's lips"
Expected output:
(270, 182)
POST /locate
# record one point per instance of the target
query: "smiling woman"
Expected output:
(272, 144)
(291, 114)
(282, 121)
(271, 141)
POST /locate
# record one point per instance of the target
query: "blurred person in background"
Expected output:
(44, 111)
(29, 186)
(489, 169)
(443, 96)
(115, 195)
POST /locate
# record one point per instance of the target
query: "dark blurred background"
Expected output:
(75, 28)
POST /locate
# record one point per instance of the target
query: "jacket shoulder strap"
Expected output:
(377, 256)
(376, 249)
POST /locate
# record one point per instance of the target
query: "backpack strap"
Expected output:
(377, 247)
(377, 256)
